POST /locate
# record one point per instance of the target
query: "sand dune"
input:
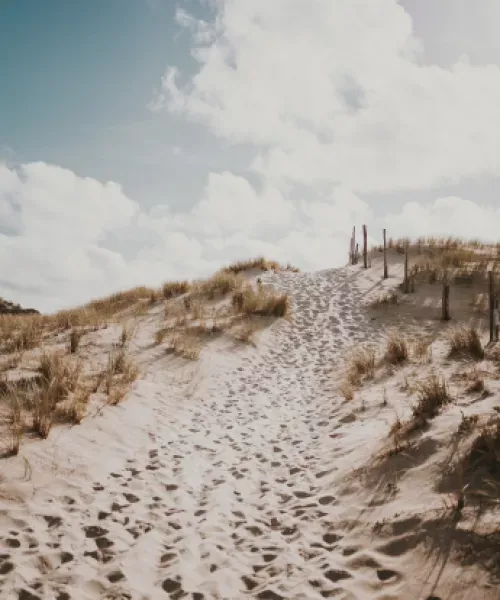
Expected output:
(246, 475)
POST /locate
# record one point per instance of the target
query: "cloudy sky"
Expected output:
(144, 140)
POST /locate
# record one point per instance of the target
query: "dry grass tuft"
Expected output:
(485, 450)
(59, 378)
(361, 363)
(346, 389)
(59, 375)
(422, 349)
(20, 333)
(160, 335)
(432, 395)
(74, 339)
(14, 402)
(185, 344)
(467, 424)
(172, 289)
(117, 394)
(259, 263)
(119, 374)
(245, 332)
(465, 341)
(396, 349)
(480, 466)
(386, 299)
(476, 381)
(262, 303)
(220, 284)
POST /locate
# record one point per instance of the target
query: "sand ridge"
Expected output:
(213, 481)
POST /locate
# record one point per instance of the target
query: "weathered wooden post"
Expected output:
(406, 285)
(446, 298)
(491, 304)
(357, 252)
(353, 246)
(365, 248)
(386, 274)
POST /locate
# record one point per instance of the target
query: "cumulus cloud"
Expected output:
(74, 238)
(335, 92)
(336, 103)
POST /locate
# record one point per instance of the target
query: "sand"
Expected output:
(244, 475)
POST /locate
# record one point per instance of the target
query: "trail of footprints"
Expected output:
(238, 499)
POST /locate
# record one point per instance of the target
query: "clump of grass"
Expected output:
(160, 335)
(117, 394)
(432, 395)
(11, 362)
(197, 309)
(14, 402)
(120, 364)
(44, 408)
(120, 301)
(476, 382)
(262, 303)
(484, 453)
(59, 375)
(346, 389)
(120, 371)
(153, 297)
(259, 263)
(467, 424)
(74, 339)
(220, 284)
(465, 340)
(125, 335)
(58, 378)
(22, 333)
(422, 349)
(361, 363)
(75, 411)
(245, 332)
(172, 289)
(185, 344)
(387, 298)
(396, 351)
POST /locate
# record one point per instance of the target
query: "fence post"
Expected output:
(386, 274)
(446, 298)
(353, 246)
(406, 287)
(357, 252)
(365, 248)
(492, 305)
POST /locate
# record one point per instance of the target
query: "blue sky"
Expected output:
(253, 147)
(74, 68)
(79, 77)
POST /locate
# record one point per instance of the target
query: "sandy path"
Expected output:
(230, 498)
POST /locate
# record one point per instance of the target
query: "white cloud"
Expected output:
(64, 250)
(282, 75)
(446, 216)
(336, 103)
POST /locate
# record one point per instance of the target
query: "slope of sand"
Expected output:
(244, 475)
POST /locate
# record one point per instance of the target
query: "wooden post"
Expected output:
(446, 298)
(365, 248)
(357, 252)
(497, 327)
(406, 286)
(353, 246)
(386, 274)
(492, 305)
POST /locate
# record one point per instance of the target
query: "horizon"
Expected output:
(151, 141)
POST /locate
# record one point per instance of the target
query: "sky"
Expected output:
(149, 140)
